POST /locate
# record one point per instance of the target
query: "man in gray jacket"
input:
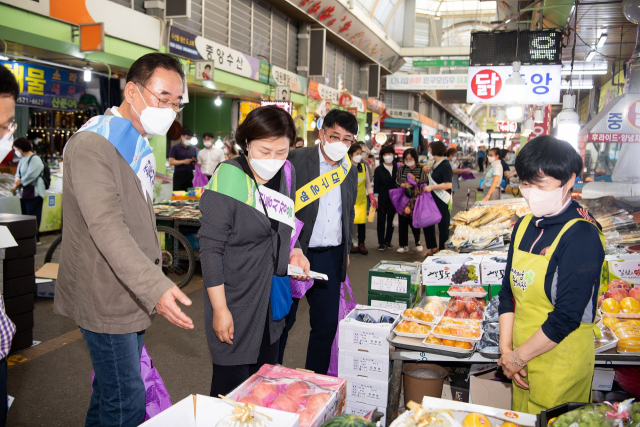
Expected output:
(110, 279)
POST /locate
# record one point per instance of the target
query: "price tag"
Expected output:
(366, 365)
(389, 284)
(366, 338)
(364, 391)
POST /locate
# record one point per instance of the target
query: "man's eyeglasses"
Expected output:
(346, 141)
(10, 127)
(164, 103)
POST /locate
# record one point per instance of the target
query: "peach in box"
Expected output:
(298, 389)
(264, 390)
(285, 403)
(619, 284)
(317, 401)
(635, 292)
(616, 293)
(250, 399)
(306, 417)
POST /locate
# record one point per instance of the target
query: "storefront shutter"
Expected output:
(216, 19)
(331, 66)
(341, 59)
(292, 50)
(261, 31)
(400, 100)
(241, 25)
(279, 39)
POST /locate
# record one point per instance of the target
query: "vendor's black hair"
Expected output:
(387, 149)
(207, 135)
(495, 151)
(266, 123)
(8, 84)
(548, 156)
(412, 152)
(23, 144)
(354, 149)
(344, 119)
(450, 152)
(187, 132)
(144, 67)
(438, 148)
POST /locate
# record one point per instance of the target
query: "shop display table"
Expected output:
(405, 349)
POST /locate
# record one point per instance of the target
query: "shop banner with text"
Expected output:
(320, 91)
(47, 87)
(420, 82)
(486, 85)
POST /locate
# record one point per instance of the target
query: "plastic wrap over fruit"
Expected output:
(417, 416)
(491, 337)
(603, 415)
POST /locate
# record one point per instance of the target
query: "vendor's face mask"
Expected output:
(544, 203)
(155, 120)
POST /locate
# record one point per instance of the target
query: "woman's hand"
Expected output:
(223, 325)
(427, 168)
(17, 184)
(374, 202)
(406, 185)
(412, 177)
(427, 188)
(486, 198)
(513, 371)
(298, 259)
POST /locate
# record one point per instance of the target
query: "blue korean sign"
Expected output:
(47, 87)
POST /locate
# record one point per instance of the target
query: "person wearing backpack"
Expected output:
(29, 180)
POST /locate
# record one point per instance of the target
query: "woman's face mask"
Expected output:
(545, 203)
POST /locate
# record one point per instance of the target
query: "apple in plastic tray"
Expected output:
(462, 314)
(457, 304)
(635, 293)
(477, 315)
(619, 284)
(450, 313)
(470, 304)
(616, 293)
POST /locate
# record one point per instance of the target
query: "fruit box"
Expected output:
(395, 278)
(361, 364)
(459, 410)
(205, 411)
(369, 337)
(281, 377)
(625, 267)
(451, 270)
(492, 268)
(391, 302)
(362, 409)
(364, 390)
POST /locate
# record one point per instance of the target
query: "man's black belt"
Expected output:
(322, 249)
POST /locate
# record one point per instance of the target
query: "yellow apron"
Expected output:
(361, 198)
(564, 374)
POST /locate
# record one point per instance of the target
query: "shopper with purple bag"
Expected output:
(440, 183)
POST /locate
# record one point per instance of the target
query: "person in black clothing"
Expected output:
(506, 171)
(183, 158)
(440, 183)
(383, 181)
(413, 169)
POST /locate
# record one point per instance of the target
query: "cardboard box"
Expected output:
(603, 379)
(48, 271)
(489, 389)
(460, 410)
(438, 291)
(456, 386)
(336, 386)
(439, 270)
(360, 364)
(395, 278)
(369, 337)
(626, 267)
(20, 226)
(493, 269)
(46, 288)
(205, 411)
(20, 286)
(363, 409)
(364, 390)
(393, 303)
(19, 305)
(16, 268)
(25, 248)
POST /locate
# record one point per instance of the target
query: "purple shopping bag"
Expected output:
(345, 308)
(467, 175)
(425, 213)
(399, 199)
(157, 397)
(199, 179)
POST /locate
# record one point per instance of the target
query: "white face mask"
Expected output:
(265, 168)
(357, 159)
(453, 159)
(544, 203)
(388, 159)
(491, 159)
(335, 150)
(17, 153)
(208, 144)
(410, 164)
(154, 120)
(225, 150)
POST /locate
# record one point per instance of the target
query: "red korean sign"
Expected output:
(507, 127)
(486, 84)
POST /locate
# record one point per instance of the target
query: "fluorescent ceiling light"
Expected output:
(602, 40)
(590, 56)
(577, 84)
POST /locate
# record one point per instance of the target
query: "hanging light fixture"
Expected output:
(569, 121)
(219, 142)
(589, 57)
(87, 72)
(514, 112)
(515, 84)
(193, 140)
(501, 115)
(218, 101)
(538, 115)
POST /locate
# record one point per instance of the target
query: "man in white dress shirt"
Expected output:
(210, 157)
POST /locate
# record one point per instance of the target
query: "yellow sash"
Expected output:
(321, 185)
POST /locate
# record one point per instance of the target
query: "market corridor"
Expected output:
(51, 381)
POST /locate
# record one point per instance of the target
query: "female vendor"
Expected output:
(553, 274)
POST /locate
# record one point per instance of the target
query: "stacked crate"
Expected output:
(18, 274)
(394, 285)
(363, 359)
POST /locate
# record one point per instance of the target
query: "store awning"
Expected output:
(619, 121)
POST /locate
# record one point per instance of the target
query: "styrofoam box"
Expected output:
(459, 410)
(369, 337)
(363, 409)
(438, 270)
(360, 364)
(364, 390)
(493, 269)
(602, 379)
(46, 288)
(205, 411)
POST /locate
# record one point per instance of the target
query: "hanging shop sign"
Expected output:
(375, 105)
(420, 82)
(583, 109)
(610, 90)
(381, 138)
(543, 128)
(320, 91)
(533, 47)
(507, 127)
(282, 77)
(245, 108)
(47, 87)
(375, 122)
(353, 110)
(338, 18)
(486, 85)
(351, 101)
(402, 114)
(286, 106)
(419, 63)
(114, 17)
(621, 123)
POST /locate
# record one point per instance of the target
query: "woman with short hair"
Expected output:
(245, 246)
(365, 190)
(549, 295)
(440, 183)
(29, 180)
(493, 178)
(412, 169)
(383, 181)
